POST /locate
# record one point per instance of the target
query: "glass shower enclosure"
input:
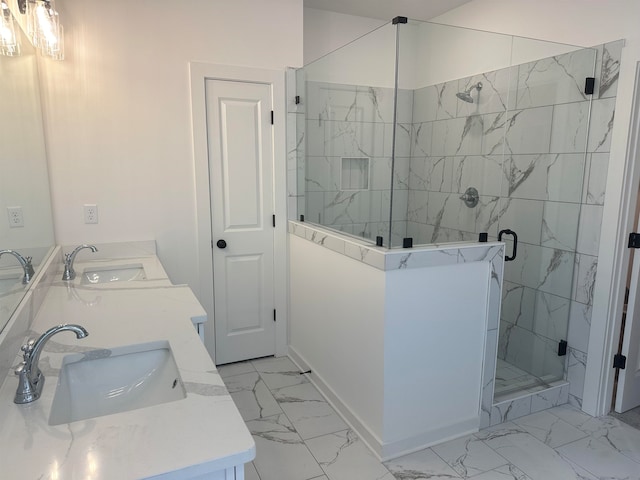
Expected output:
(420, 133)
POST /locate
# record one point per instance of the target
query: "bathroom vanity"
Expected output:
(186, 428)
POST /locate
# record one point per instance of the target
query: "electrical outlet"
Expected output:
(15, 217)
(90, 213)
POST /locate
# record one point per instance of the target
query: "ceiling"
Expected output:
(387, 9)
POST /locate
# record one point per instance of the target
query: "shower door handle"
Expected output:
(515, 243)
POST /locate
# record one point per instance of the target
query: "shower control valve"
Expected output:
(470, 197)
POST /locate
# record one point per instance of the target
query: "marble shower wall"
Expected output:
(347, 171)
(521, 144)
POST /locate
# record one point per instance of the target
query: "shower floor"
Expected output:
(512, 382)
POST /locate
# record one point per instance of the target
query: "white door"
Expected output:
(240, 143)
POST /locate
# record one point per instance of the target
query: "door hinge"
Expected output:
(589, 85)
(297, 99)
(562, 348)
(619, 361)
(634, 240)
(274, 314)
(273, 219)
(271, 117)
(212, 244)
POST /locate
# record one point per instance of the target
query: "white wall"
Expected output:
(435, 326)
(352, 63)
(326, 31)
(118, 117)
(337, 312)
(429, 53)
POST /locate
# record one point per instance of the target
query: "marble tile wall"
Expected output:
(521, 144)
(352, 121)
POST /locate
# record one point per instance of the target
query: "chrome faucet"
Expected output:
(25, 262)
(69, 272)
(30, 377)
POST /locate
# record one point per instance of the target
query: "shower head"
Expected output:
(466, 95)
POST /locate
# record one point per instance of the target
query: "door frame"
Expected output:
(199, 73)
(613, 264)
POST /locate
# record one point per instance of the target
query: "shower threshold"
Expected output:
(513, 382)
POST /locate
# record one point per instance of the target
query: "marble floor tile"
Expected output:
(280, 452)
(279, 372)
(506, 472)
(468, 456)
(421, 465)
(571, 415)
(309, 412)
(601, 459)
(343, 456)
(304, 439)
(250, 472)
(580, 472)
(235, 369)
(622, 437)
(549, 429)
(252, 397)
(529, 454)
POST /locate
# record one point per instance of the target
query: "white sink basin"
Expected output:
(120, 273)
(9, 283)
(103, 382)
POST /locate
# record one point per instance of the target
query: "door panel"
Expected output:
(245, 271)
(241, 164)
(628, 390)
(241, 178)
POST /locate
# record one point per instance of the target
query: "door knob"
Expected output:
(221, 244)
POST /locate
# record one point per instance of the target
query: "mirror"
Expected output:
(24, 180)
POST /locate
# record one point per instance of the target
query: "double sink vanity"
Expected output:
(126, 388)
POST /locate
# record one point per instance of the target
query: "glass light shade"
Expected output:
(44, 28)
(9, 42)
(54, 45)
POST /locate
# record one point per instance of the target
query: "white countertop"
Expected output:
(202, 433)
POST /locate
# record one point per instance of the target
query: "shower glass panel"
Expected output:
(441, 133)
(543, 168)
(349, 116)
(449, 153)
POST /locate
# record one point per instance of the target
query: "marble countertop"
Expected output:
(202, 433)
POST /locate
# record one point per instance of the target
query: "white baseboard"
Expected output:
(390, 450)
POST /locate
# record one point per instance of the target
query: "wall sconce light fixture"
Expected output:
(9, 41)
(43, 27)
